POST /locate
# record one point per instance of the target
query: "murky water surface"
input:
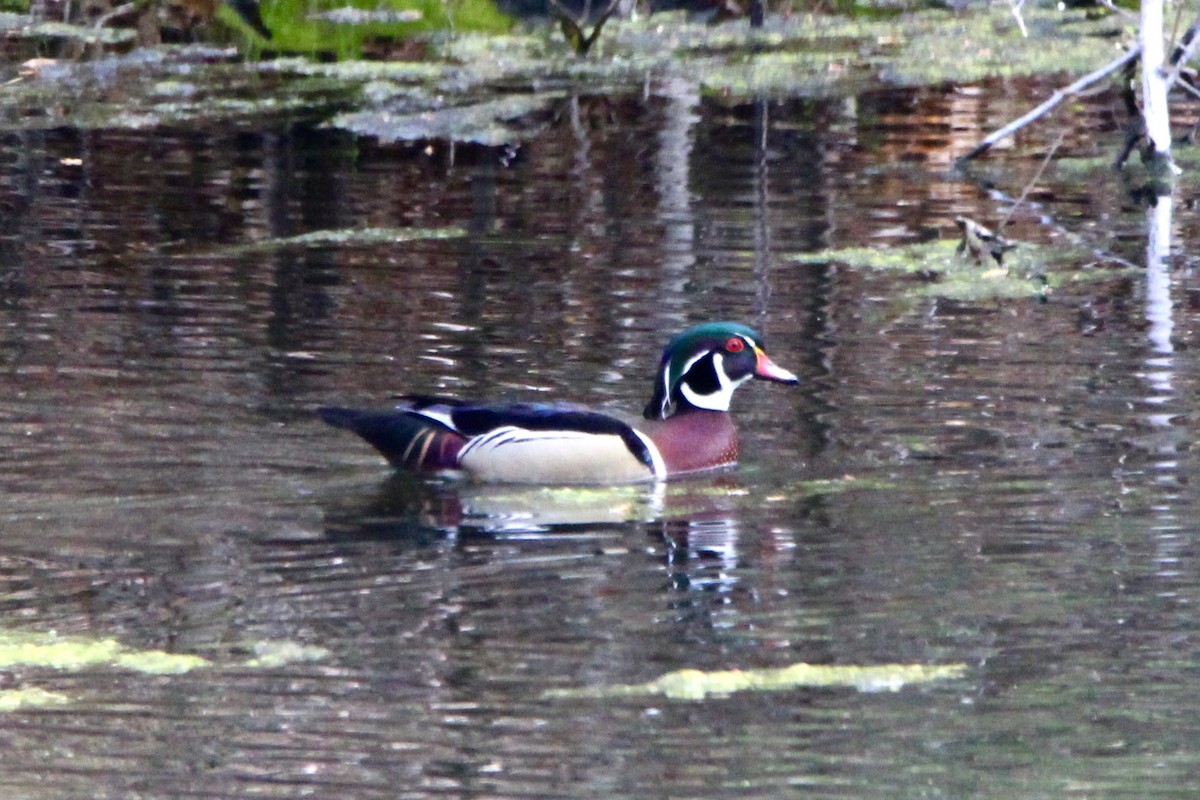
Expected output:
(1007, 481)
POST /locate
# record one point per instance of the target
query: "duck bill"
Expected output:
(767, 369)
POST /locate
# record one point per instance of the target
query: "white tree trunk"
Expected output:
(1154, 81)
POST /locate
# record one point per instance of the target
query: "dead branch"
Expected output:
(1183, 52)
(1059, 95)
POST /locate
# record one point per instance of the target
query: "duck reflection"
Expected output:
(411, 507)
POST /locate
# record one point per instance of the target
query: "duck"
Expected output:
(685, 427)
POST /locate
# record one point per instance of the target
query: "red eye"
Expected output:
(735, 345)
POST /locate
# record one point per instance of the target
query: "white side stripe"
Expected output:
(660, 466)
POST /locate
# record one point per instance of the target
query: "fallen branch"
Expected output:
(1059, 95)
(119, 11)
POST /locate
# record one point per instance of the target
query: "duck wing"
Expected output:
(520, 442)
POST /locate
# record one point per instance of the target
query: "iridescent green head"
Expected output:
(702, 366)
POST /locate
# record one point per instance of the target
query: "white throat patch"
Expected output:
(720, 399)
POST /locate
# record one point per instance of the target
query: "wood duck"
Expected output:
(686, 427)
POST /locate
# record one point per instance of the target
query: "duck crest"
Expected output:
(702, 366)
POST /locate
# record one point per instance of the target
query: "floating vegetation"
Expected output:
(492, 122)
(33, 697)
(20, 650)
(1028, 270)
(694, 684)
(271, 654)
(78, 652)
(355, 236)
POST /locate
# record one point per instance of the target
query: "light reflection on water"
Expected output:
(998, 495)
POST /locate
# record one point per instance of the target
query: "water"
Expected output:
(1009, 479)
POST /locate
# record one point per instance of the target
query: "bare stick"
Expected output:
(1056, 98)
(1037, 176)
(1016, 12)
(1183, 51)
(1116, 9)
(119, 11)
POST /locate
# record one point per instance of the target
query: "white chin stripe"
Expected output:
(720, 399)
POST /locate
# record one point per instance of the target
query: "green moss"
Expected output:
(325, 26)
(692, 684)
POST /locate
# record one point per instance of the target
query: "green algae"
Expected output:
(74, 653)
(32, 697)
(693, 684)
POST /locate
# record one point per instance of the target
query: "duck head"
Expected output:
(702, 367)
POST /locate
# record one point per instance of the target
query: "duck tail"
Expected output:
(408, 441)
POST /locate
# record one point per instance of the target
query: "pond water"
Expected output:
(1003, 484)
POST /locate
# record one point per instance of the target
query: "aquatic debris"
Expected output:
(572, 28)
(980, 243)
(694, 684)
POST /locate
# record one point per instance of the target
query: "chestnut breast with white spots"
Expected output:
(694, 441)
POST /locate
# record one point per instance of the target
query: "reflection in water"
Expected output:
(163, 481)
(1160, 374)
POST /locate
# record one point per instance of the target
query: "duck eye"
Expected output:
(735, 345)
